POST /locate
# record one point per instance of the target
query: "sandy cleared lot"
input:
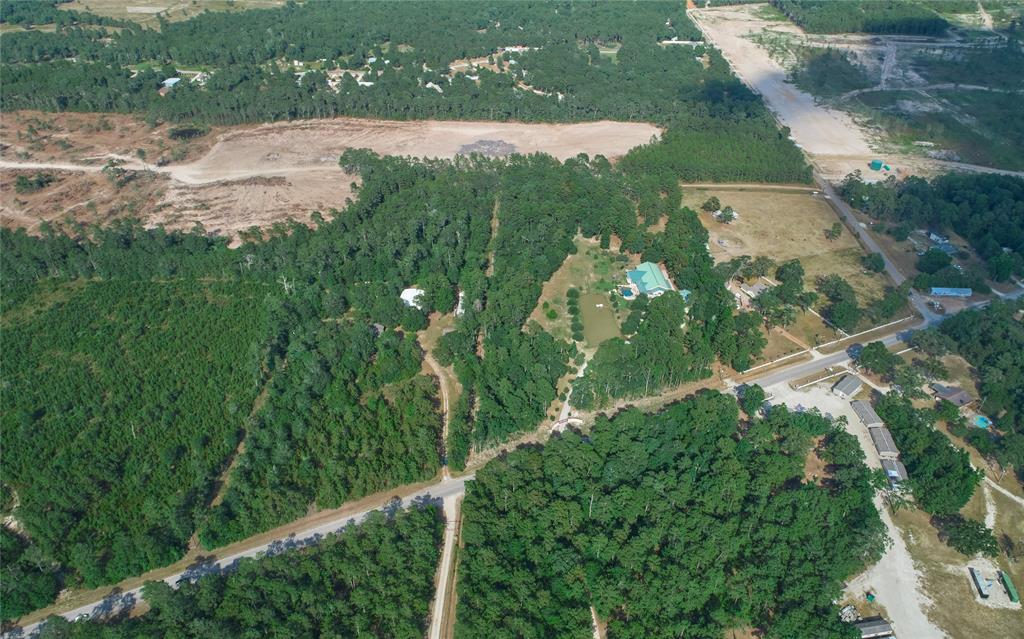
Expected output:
(257, 176)
(819, 130)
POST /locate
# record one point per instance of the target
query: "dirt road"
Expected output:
(894, 579)
(226, 559)
(444, 569)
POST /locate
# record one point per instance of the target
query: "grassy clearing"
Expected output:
(591, 270)
(981, 127)
(812, 330)
(778, 346)
(945, 580)
(786, 226)
(599, 318)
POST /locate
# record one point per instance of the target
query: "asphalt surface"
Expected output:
(445, 490)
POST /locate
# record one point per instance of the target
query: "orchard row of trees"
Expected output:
(682, 523)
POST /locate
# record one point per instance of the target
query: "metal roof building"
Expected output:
(957, 396)
(895, 471)
(873, 627)
(866, 413)
(884, 443)
(941, 291)
(649, 279)
(847, 386)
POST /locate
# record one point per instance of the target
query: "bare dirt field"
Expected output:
(784, 226)
(837, 141)
(250, 176)
(819, 130)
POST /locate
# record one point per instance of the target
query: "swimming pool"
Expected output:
(981, 421)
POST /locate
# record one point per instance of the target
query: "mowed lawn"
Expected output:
(599, 322)
(784, 226)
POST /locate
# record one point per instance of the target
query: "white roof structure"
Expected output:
(411, 297)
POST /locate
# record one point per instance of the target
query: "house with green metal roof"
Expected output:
(648, 279)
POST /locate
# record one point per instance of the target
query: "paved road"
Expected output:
(445, 490)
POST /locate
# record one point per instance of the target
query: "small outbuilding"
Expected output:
(874, 628)
(848, 386)
(942, 291)
(895, 471)
(170, 82)
(884, 443)
(866, 413)
(956, 396)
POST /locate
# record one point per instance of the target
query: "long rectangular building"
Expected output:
(866, 413)
(884, 443)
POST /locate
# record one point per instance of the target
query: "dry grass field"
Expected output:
(785, 226)
(957, 610)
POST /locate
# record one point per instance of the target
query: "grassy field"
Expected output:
(591, 270)
(599, 318)
(982, 127)
(945, 578)
(786, 226)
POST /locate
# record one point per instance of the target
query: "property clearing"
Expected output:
(249, 176)
(786, 225)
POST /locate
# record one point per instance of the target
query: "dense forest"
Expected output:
(681, 523)
(986, 210)
(910, 17)
(122, 401)
(992, 340)
(717, 128)
(321, 378)
(375, 579)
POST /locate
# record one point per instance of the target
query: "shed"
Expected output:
(873, 627)
(848, 386)
(876, 165)
(866, 413)
(411, 297)
(170, 82)
(941, 291)
(649, 279)
(884, 443)
(980, 582)
(957, 396)
(1011, 591)
(895, 471)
